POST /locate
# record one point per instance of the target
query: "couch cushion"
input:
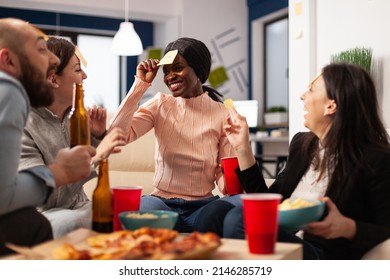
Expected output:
(136, 156)
(124, 178)
(134, 165)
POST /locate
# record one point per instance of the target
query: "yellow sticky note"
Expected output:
(218, 76)
(80, 56)
(315, 79)
(168, 58)
(298, 8)
(229, 103)
(40, 32)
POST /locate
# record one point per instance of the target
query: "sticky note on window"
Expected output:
(168, 58)
(154, 53)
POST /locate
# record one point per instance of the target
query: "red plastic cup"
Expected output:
(233, 185)
(126, 198)
(261, 221)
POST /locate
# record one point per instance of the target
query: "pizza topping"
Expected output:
(144, 243)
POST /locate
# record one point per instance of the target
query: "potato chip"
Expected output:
(297, 203)
(144, 216)
(229, 103)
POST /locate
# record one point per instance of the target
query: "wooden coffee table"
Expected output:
(237, 249)
(231, 249)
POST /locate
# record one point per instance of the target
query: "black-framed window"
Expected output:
(276, 63)
(102, 87)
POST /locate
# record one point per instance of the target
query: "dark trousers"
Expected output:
(24, 227)
(211, 217)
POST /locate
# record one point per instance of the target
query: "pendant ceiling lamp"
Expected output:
(126, 41)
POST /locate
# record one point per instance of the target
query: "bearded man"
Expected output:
(25, 63)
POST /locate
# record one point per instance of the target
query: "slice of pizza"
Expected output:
(111, 240)
(69, 252)
(144, 243)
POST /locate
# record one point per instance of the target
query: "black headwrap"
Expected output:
(198, 58)
(195, 53)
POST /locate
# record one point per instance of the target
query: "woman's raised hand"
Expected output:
(98, 116)
(237, 130)
(111, 143)
(147, 70)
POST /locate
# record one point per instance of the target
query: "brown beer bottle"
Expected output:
(102, 202)
(79, 119)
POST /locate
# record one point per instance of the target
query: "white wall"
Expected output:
(363, 23)
(326, 27)
(203, 19)
(222, 26)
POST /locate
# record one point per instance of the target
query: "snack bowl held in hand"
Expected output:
(297, 218)
(132, 220)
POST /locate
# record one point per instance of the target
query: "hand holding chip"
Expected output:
(237, 132)
(236, 127)
(229, 104)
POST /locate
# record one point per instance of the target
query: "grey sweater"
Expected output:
(44, 135)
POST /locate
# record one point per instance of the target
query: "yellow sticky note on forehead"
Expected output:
(40, 32)
(80, 56)
(168, 58)
(315, 79)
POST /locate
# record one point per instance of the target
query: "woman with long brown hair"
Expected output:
(344, 160)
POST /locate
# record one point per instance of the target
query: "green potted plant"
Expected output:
(275, 115)
(361, 56)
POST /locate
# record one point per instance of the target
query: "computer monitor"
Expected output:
(249, 109)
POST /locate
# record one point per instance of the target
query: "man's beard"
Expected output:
(36, 85)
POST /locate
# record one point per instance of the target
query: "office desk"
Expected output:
(273, 155)
(271, 145)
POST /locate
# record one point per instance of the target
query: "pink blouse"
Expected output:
(190, 140)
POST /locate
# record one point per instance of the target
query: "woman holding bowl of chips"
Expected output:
(344, 161)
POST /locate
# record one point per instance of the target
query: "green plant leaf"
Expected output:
(276, 109)
(361, 56)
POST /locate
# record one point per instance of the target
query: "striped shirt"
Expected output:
(190, 140)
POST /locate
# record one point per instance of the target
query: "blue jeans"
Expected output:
(188, 210)
(233, 227)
